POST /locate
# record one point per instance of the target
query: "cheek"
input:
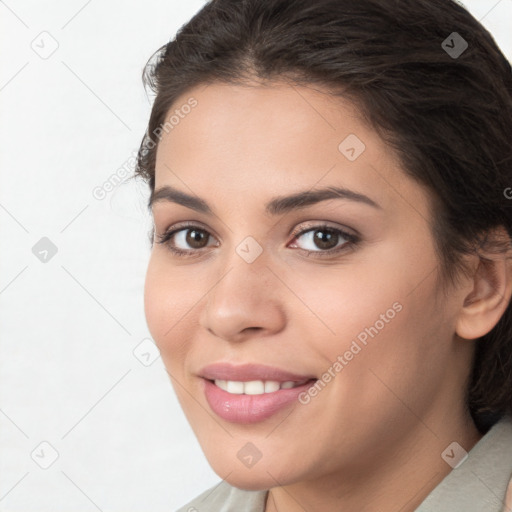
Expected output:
(154, 300)
(166, 308)
(402, 357)
(345, 302)
(381, 314)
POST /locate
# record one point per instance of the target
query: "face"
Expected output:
(338, 288)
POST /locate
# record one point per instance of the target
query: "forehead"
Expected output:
(266, 119)
(247, 142)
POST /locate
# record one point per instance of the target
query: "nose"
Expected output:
(244, 301)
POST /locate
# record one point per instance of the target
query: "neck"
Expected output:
(399, 477)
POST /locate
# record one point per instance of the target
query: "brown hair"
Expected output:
(446, 110)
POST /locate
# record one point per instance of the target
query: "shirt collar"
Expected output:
(480, 481)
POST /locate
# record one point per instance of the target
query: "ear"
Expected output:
(490, 295)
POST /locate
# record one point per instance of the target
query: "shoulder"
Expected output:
(223, 497)
(482, 481)
(506, 443)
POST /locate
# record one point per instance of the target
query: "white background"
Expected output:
(70, 326)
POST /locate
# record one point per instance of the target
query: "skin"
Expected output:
(372, 439)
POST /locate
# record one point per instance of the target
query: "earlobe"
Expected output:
(486, 303)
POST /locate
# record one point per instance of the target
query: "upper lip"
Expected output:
(248, 372)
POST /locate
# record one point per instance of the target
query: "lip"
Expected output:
(248, 372)
(245, 409)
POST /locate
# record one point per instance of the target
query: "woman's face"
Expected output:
(361, 308)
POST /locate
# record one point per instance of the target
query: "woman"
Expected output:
(330, 279)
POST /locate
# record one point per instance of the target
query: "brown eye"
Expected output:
(185, 240)
(324, 239)
(195, 238)
(188, 241)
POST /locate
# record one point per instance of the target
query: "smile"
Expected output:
(256, 387)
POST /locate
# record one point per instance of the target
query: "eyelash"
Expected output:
(351, 240)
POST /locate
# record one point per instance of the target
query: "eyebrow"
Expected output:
(276, 206)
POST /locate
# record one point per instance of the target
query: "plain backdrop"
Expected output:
(88, 417)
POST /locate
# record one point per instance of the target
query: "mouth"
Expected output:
(250, 393)
(256, 376)
(258, 387)
(253, 401)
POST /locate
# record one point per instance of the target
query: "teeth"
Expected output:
(237, 388)
(271, 386)
(255, 387)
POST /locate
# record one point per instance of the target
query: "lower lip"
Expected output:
(250, 408)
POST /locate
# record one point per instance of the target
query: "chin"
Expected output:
(251, 482)
(256, 478)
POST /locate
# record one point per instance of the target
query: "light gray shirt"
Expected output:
(478, 484)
